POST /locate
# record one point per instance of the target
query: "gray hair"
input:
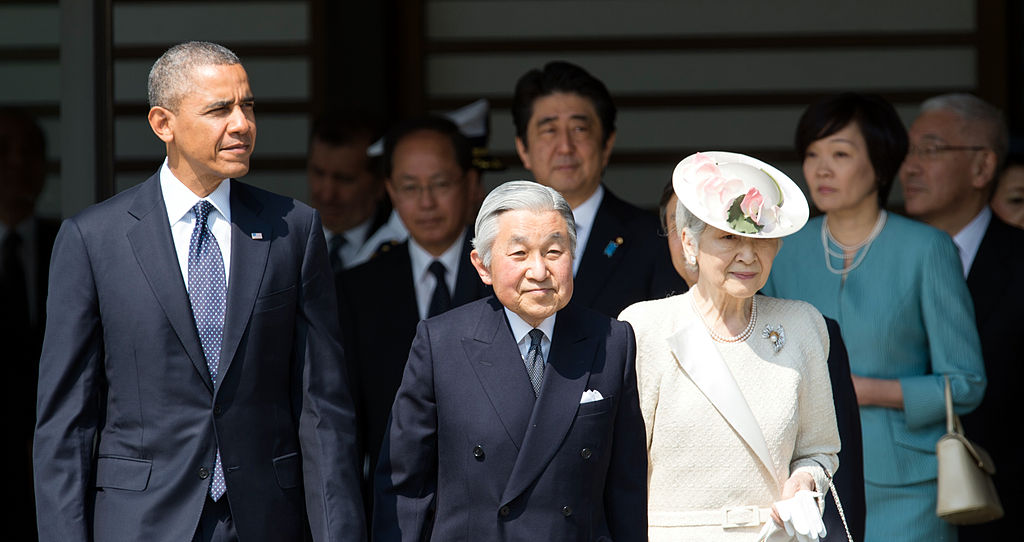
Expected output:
(983, 116)
(171, 74)
(518, 196)
(689, 223)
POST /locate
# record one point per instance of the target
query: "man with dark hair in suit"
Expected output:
(25, 244)
(192, 384)
(345, 186)
(565, 132)
(957, 145)
(429, 177)
(518, 416)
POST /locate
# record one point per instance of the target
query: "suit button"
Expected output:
(478, 452)
(566, 511)
(217, 410)
(203, 473)
(586, 453)
(504, 511)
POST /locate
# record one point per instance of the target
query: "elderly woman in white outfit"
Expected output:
(734, 387)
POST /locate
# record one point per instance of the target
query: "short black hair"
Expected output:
(29, 126)
(883, 132)
(561, 76)
(460, 145)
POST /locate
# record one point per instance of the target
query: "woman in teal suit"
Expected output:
(897, 289)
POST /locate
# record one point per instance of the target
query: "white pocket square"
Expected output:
(590, 396)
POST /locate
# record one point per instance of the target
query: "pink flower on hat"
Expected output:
(752, 204)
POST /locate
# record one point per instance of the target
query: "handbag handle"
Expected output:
(953, 424)
(835, 496)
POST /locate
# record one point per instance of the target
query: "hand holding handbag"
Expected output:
(966, 494)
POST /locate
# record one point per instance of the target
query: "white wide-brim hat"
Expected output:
(737, 193)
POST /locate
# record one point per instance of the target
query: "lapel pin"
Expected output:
(257, 236)
(612, 246)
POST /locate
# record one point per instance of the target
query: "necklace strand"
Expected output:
(861, 248)
(735, 339)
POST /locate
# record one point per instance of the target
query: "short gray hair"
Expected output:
(978, 113)
(689, 223)
(518, 196)
(171, 74)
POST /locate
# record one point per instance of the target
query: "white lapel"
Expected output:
(700, 360)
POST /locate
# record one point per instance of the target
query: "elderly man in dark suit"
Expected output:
(429, 177)
(565, 132)
(957, 145)
(518, 416)
(192, 385)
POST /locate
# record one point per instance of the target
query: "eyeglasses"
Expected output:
(932, 151)
(440, 188)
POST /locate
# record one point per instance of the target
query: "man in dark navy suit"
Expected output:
(192, 384)
(565, 132)
(518, 416)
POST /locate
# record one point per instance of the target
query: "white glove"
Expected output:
(801, 517)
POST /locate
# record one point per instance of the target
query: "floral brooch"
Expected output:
(775, 335)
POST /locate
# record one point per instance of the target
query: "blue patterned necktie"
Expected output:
(535, 361)
(207, 291)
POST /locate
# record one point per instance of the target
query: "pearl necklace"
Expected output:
(735, 339)
(827, 240)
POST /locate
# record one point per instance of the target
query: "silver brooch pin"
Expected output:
(775, 335)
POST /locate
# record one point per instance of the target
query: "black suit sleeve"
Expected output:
(849, 479)
(405, 483)
(70, 388)
(625, 496)
(327, 432)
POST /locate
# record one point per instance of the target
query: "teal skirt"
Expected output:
(905, 513)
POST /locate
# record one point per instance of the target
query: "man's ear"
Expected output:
(160, 120)
(481, 269)
(523, 155)
(606, 153)
(984, 171)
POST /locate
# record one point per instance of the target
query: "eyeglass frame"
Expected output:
(932, 151)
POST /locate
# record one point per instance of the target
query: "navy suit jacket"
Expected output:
(995, 282)
(849, 479)
(379, 316)
(626, 260)
(470, 454)
(128, 419)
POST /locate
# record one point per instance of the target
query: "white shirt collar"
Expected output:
(179, 200)
(969, 238)
(521, 330)
(584, 214)
(421, 260)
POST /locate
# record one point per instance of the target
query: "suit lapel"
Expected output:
(565, 377)
(494, 356)
(603, 252)
(248, 262)
(153, 246)
(980, 279)
(700, 360)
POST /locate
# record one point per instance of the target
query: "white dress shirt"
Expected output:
(355, 237)
(179, 201)
(969, 239)
(521, 333)
(424, 280)
(584, 214)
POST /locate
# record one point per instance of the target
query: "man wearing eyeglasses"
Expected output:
(429, 175)
(957, 146)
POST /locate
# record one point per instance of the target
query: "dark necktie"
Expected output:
(441, 301)
(334, 252)
(535, 361)
(207, 291)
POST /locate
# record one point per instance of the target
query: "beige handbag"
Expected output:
(966, 493)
